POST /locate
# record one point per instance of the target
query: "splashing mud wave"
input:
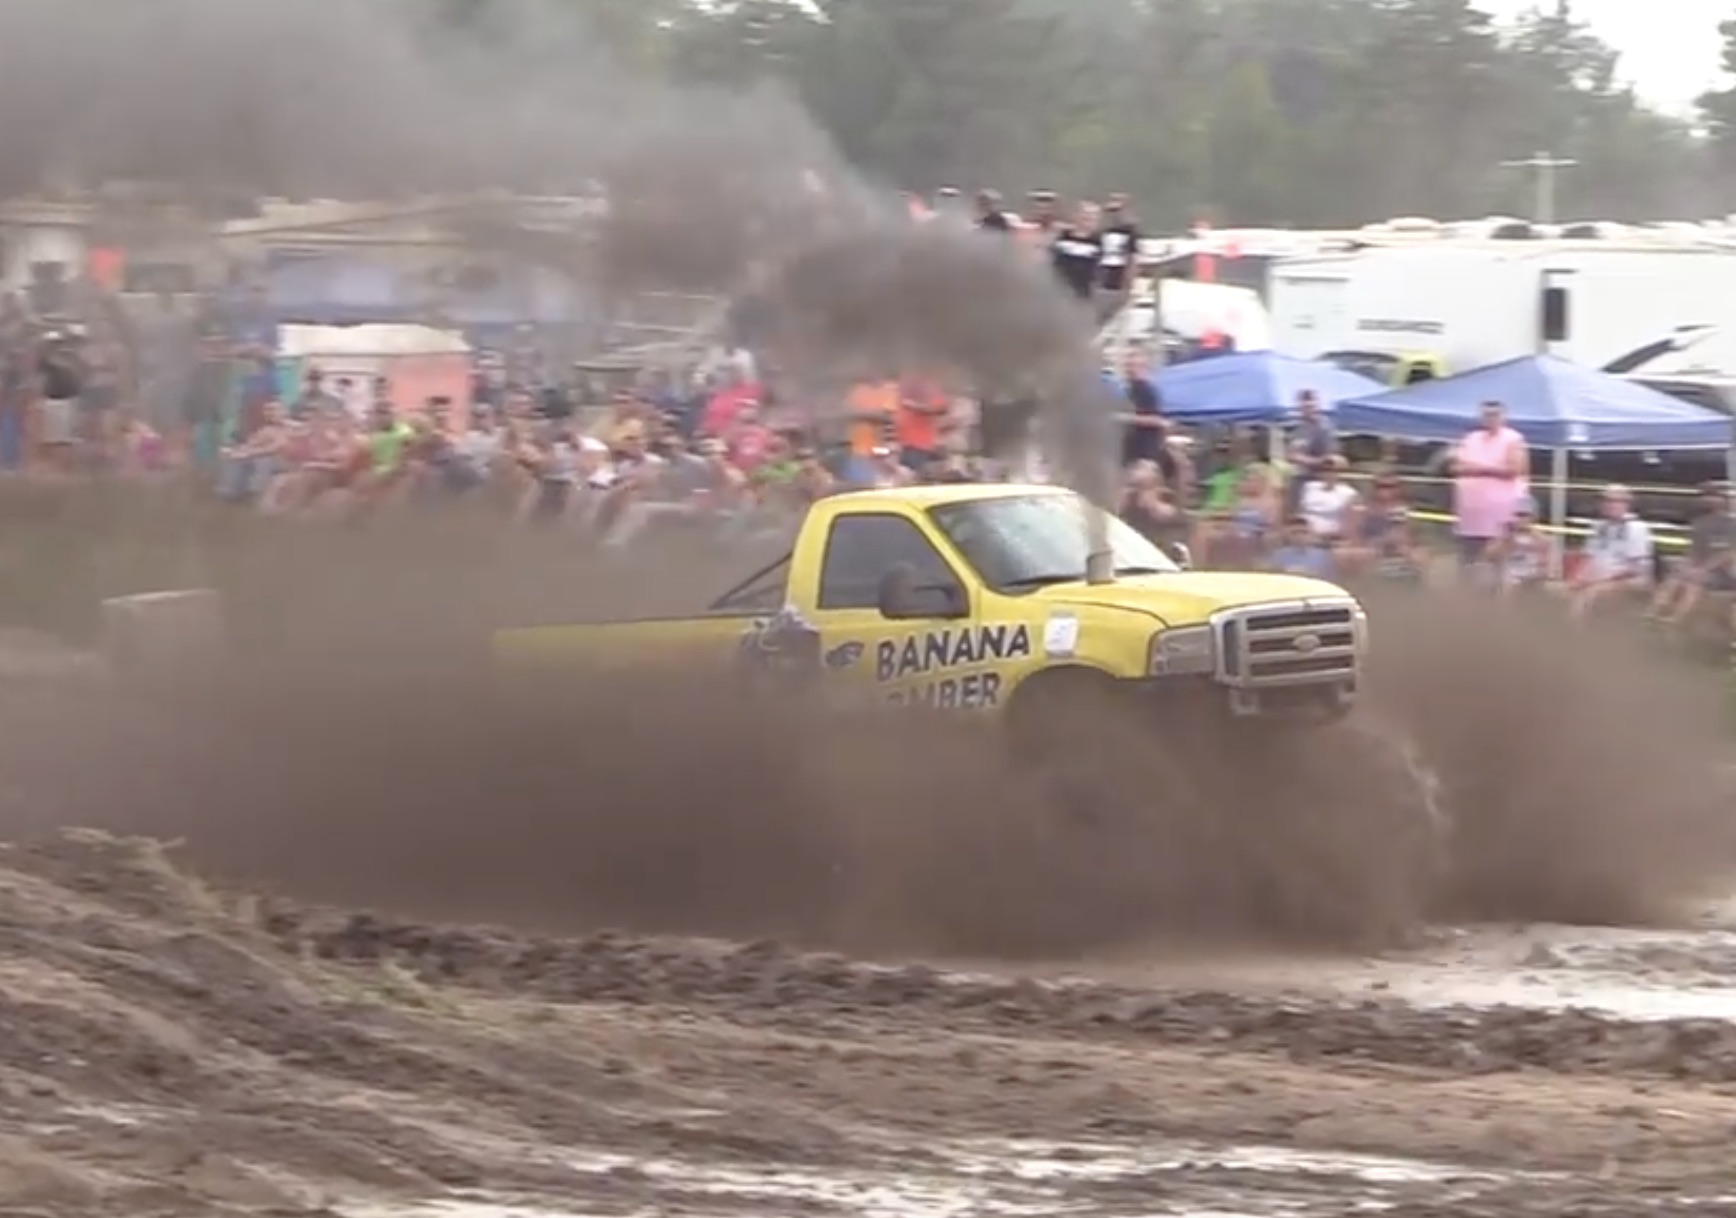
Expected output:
(1576, 778)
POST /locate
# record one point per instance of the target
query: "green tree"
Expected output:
(744, 42)
(1315, 112)
(935, 92)
(1718, 109)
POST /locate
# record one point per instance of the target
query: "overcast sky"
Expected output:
(1669, 48)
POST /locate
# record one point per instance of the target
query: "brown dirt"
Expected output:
(173, 1047)
(172, 1050)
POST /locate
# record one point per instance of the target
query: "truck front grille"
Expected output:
(1291, 644)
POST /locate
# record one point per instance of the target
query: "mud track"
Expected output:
(175, 1050)
(897, 985)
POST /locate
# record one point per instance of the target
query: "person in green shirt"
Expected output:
(388, 437)
(779, 471)
(386, 442)
(1221, 487)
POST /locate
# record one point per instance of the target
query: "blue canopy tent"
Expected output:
(1554, 404)
(1253, 387)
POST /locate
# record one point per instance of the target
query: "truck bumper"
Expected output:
(1303, 704)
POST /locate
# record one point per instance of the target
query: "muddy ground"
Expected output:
(630, 952)
(173, 1050)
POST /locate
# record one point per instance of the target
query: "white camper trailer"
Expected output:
(1664, 308)
(1161, 312)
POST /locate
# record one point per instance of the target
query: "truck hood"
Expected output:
(1189, 596)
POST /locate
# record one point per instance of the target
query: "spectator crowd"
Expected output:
(729, 446)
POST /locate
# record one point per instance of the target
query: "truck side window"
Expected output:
(862, 547)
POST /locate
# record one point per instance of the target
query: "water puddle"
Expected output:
(1640, 975)
(1630, 974)
(1615, 996)
(1000, 1179)
(1076, 1160)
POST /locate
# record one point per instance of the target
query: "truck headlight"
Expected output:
(1184, 651)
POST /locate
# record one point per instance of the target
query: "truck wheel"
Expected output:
(1068, 728)
(1129, 830)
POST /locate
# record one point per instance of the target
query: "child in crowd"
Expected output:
(1300, 552)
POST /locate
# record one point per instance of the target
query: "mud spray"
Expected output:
(376, 768)
(1576, 773)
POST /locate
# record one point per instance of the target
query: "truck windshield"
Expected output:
(1026, 541)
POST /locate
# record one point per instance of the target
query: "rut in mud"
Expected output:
(173, 1050)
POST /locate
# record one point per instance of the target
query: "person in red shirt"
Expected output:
(922, 408)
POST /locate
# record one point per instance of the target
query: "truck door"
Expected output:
(928, 660)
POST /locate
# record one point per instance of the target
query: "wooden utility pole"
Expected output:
(1544, 166)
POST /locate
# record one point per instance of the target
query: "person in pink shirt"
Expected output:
(1491, 470)
(735, 395)
(749, 441)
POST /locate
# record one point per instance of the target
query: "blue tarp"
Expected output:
(1252, 387)
(1551, 402)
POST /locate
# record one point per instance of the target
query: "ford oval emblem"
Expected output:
(1307, 643)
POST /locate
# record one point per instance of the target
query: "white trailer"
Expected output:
(1662, 308)
(1162, 310)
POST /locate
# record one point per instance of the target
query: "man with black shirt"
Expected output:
(61, 373)
(1146, 437)
(1076, 250)
(1313, 444)
(1120, 261)
(991, 216)
(555, 402)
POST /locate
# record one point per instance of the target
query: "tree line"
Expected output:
(1252, 112)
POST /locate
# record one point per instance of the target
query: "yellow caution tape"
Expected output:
(1663, 540)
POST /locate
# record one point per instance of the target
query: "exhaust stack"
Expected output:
(1099, 559)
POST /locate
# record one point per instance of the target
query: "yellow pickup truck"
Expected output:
(994, 598)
